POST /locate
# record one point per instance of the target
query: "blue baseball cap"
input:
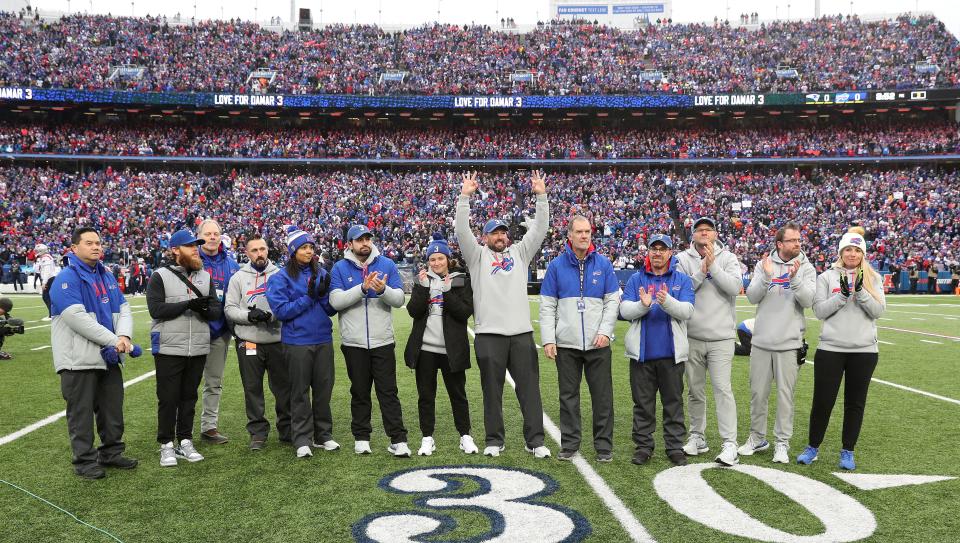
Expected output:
(704, 220)
(494, 224)
(357, 231)
(184, 237)
(660, 238)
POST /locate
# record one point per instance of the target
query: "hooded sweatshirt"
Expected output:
(499, 280)
(714, 314)
(644, 338)
(221, 268)
(365, 320)
(780, 302)
(849, 323)
(248, 287)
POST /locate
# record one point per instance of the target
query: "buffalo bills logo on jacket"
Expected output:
(783, 282)
(255, 293)
(506, 265)
(437, 300)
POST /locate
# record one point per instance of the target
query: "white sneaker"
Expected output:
(167, 456)
(539, 452)
(467, 445)
(361, 447)
(781, 453)
(328, 445)
(493, 450)
(399, 449)
(696, 444)
(304, 452)
(427, 446)
(187, 451)
(728, 454)
(752, 445)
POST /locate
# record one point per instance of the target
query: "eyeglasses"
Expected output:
(704, 230)
(659, 249)
(794, 240)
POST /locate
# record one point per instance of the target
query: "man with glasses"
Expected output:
(783, 285)
(715, 273)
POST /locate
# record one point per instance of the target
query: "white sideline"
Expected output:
(57, 416)
(620, 511)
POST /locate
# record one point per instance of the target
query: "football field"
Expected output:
(910, 427)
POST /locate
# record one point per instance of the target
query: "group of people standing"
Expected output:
(680, 308)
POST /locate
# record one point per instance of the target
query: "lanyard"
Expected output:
(581, 264)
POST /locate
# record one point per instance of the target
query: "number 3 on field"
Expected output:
(506, 496)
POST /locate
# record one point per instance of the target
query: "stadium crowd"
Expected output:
(830, 53)
(911, 215)
(900, 139)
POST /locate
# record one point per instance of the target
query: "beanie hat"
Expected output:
(41, 249)
(296, 238)
(438, 245)
(852, 239)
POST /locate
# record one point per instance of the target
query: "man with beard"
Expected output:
(504, 337)
(258, 343)
(181, 300)
(715, 272)
(783, 285)
(365, 287)
(221, 266)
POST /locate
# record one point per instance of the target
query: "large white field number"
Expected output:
(506, 496)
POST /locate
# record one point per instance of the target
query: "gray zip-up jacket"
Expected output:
(365, 320)
(176, 330)
(715, 309)
(780, 302)
(499, 280)
(247, 288)
(849, 324)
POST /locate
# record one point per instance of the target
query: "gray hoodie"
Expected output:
(849, 324)
(499, 280)
(365, 320)
(433, 334)
(780, 302)
(248, 287)
(714, 311)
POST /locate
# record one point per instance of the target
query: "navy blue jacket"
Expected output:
(221, 268)
(304, 321)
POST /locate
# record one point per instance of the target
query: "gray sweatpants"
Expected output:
(94, 394)
(765, 367)
(715, 357)
(495, 355)
(213, 381)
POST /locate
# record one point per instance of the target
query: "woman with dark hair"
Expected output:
(440, 304)
(299, 299)
(849, 300)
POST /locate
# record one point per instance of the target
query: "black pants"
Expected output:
(571, 365)
(456, 382)
(269, 359)
(45, 295)
(94, 395)
(378, 368)
(495, 355)
(311, 369)
(856, 370)
(178, 378)
(646, 379)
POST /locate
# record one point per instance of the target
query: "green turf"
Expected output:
(235, 495)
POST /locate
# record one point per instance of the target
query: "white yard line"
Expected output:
(57, 416)
(616, 506)
(48, 324)
(40, 348)
(932, 341)
(885, 342)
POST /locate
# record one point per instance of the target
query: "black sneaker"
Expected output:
(677, 457)
(566, 454)
(5, 355)
(213, 436)
(256, 444)
(91, 472)
(119, 462)
(641, 457)
(604, 456)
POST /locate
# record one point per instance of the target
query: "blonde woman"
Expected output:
(849, 300)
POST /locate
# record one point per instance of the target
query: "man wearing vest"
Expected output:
(221, 266)
(504, 339)
(580, 297)
(91, 329)
(181, 300)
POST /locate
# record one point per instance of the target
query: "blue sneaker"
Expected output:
(846, 460)
(808, 456)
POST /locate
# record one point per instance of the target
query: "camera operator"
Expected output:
(8, 326)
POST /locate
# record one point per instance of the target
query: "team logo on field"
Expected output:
(506, 265)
